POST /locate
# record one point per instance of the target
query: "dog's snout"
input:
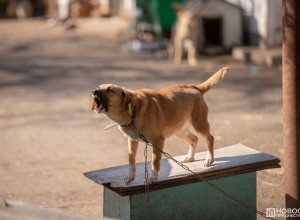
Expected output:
(96, 93)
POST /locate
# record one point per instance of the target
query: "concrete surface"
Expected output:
(257, 55)
(16, 210)
(49, 137)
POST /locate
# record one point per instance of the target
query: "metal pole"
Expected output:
(291, 101)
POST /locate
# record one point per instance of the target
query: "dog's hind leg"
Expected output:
(192, 140)
(210, 145)
(201, 125)
(204, 130)
(192, 54)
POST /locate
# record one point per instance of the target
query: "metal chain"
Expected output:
(146, 178)
(197, 175)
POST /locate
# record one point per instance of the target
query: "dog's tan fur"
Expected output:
(157, 115)
(185, 32)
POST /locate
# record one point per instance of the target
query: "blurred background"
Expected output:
(223, 24)
(53, 53)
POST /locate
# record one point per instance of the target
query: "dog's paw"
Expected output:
(188, 160)
(152, 180)
(209, 161)
(128, 179)
(193, 62)
(131, 174)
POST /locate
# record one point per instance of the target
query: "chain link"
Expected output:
(197, 175)
(146, 178)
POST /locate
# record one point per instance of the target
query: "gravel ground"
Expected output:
(49, 137)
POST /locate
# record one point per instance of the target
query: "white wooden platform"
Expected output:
(232, 160)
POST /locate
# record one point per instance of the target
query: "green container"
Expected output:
(190, 201)
(157, 14)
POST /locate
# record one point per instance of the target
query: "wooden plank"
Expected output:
(232, 160)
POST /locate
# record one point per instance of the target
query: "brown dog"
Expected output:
(185, 34)
(157, 115)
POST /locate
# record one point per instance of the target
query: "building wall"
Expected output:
(275, 23)
(262, 20)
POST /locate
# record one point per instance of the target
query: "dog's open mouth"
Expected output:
(100, 105)
(100, 102)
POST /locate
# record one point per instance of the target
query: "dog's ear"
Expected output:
(93, 104)
(177, 7)
(126, 98)
(127, 101)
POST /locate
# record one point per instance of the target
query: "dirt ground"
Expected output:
(49, 137)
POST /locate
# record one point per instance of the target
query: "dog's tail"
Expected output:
(213, 80)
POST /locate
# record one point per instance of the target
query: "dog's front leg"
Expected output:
(177, 50)
(192, 60)
(132, 149)
(156, 157)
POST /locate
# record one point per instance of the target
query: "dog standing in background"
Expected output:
(185, 35)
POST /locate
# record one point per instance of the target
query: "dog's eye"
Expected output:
(109, 89)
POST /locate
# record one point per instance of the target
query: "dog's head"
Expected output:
(112, 100)
(184, 16)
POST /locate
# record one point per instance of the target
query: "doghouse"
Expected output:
(220, 26)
